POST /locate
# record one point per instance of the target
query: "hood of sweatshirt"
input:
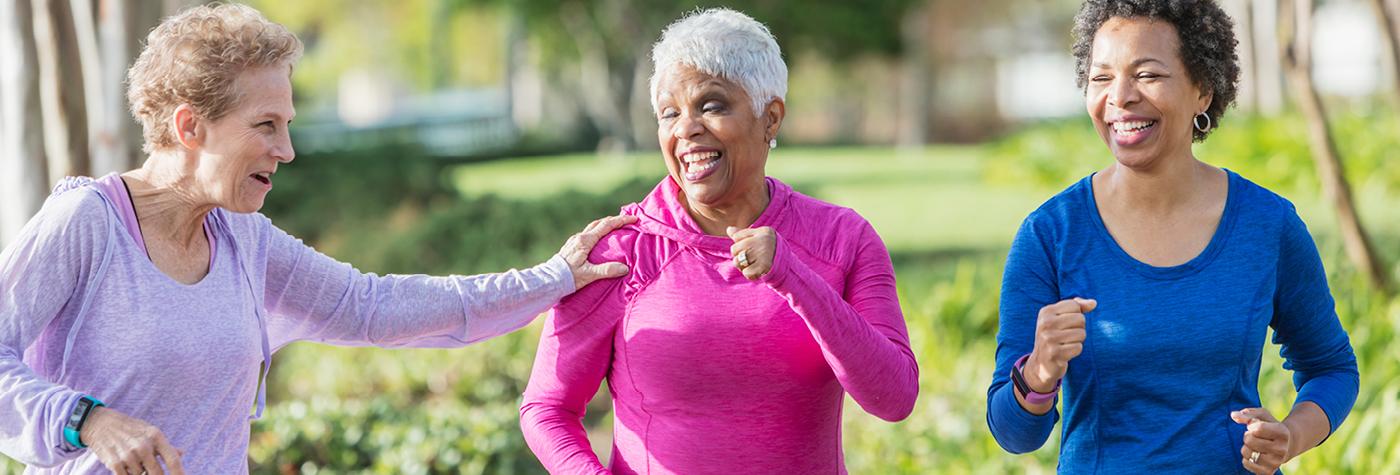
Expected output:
(661, 213)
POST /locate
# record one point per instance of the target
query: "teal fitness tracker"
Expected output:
(75, 422)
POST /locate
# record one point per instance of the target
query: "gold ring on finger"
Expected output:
(743, 258)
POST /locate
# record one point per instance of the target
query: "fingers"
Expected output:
(1258, 413)
(1061, 307)
(1265, 440)
(740, 234)
(1266, 463)
(1069, 336)
(1257, 468)
(753, 272)
(149, 464)
(586, 273)
(757, 247)
(1251, 415)
(1086, 305)
(171, 456)
(608, 270)
(601, 227)
(611, 223)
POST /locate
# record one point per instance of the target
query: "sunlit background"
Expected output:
(468, 136)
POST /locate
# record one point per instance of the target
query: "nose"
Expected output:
(687, 126)
(1123, 93)
(283, 151)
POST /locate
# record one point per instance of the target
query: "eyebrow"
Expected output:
(274, 115)
(1135, 63)
(715, 94)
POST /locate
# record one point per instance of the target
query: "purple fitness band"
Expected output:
(1026, 391)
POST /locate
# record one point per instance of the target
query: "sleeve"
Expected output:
(313, 297)
(1027, 284)
(1314, 344)
(574, 355)
(54, 255)
(860, 331)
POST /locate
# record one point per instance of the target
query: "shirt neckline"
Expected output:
(1192, 266)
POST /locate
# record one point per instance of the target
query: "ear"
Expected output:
(188, 127)
(1204, 100)
(773, 118)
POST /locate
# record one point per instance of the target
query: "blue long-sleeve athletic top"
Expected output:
(1169, 351)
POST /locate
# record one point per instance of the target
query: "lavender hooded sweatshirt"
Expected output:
(84, 311)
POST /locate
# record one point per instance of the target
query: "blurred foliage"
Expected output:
(419, 222)
(1271, 151)
(423, 44)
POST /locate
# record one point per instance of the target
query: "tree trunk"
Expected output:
(1248, 98)
(1296, 29)
(1268, 74)
(915, 80)
(115, 135)
(60, 90)
(23, 167)
(1386, 15)
(604, 100)
(90, 60)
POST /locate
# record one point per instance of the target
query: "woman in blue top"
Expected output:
(1144, 291)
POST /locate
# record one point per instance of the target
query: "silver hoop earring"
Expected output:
(1196, 121)
(773, 143)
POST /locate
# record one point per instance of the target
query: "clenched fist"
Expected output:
(753, 249)
(1059, 338)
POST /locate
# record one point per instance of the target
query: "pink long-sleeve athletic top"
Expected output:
(711, 372)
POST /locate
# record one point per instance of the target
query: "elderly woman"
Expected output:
(161, 292)
(750, 311)
(1146, 289)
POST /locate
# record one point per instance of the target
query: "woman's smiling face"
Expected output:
(714, 145)
(1139, 95)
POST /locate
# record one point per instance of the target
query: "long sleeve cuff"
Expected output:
(778, 273)
(1334, 393)
(1016, 429)
(496, 304)
(558, 270)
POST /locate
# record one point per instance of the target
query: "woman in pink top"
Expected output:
(751, 309)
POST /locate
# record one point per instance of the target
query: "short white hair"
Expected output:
(725, 43)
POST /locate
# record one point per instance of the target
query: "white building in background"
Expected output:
(1347, 50)
(1037, 86)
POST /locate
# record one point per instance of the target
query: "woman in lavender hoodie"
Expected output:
(162, 293)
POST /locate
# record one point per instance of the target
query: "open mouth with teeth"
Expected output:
(1129, 132)
(698, 165)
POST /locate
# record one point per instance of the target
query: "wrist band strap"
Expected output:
(1031, 396)
(72, 428)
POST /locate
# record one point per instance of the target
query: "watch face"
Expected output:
(79, 411)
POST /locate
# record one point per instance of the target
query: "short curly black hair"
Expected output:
(1206, 34)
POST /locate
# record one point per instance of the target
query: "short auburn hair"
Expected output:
(194, 58)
